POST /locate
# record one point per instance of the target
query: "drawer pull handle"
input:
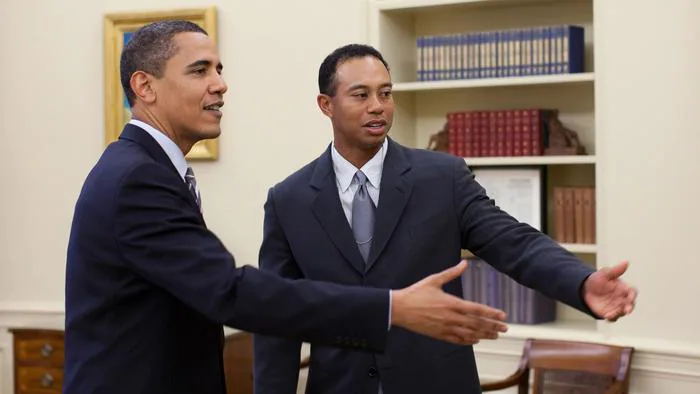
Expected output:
(46, 350)
(47, 380)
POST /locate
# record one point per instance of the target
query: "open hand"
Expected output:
(426, 309)
(607, 295)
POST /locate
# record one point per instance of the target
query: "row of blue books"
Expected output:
(483, 284)
(505, 53)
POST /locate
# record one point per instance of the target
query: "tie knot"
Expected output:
(189, 173)
(361, 178)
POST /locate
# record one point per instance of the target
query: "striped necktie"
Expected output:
(192, 185)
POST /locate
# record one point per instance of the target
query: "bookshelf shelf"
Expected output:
(494, 82)
(581, 248)
(398, 27)
(574, 330)
(573, 248)
(410, 5)
(529, 160)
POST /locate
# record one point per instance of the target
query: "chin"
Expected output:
(210, 134)
(374, 142)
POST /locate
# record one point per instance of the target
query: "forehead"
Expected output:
(367, 70)
(192, 46)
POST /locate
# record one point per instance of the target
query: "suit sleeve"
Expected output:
(164, 240)
(276, 359)
(516, 249)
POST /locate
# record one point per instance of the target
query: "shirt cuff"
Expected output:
(390, 294)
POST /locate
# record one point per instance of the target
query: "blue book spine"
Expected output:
(556, 34)
(526, 52)
(437, 58)
(473, 59)
(537, 51)
(419, 58)
(429, 46)
(575, 48)
(517, 52)
(482, 55)
(462, 56)
(547, 66)
(455, 51)
(493, 52)
(499, 61)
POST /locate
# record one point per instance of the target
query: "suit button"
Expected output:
(372, 372)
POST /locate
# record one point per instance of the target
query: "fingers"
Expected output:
(480, 310)
(449, 274)
(631, 300)
(471, 329)
(623, 304)
(479, 318)
(616, 271)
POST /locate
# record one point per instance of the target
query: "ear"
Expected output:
(142, 85)
(324, 103)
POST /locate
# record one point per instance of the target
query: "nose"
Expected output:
(219, 85)
(375, 105)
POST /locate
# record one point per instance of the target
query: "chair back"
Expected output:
(570, 367)
(238, 363)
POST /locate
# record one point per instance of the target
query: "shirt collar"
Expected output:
(171, 149)
(345, 171)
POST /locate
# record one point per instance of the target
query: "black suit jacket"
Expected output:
(430, 207)
(148, 286)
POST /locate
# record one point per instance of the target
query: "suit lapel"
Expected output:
(395, 190)
(329, 212)
(141, 137)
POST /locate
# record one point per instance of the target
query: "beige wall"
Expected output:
(647, 107)
(51, 122)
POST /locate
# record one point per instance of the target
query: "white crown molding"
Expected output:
(32, 314)
(653, 358)
(667, 365)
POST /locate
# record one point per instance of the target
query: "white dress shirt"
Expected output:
(169, 146)
(347, 184)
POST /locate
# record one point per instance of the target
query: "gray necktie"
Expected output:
(363, 220)
(192, 185)
(362, 216)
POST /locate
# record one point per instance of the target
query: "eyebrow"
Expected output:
(361, 86)
(205, 63)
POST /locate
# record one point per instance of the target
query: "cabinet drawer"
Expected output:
(39, 380)
(42, 350)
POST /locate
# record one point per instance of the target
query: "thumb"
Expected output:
(449, 274)
(617, 270)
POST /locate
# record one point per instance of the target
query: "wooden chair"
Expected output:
(570, 367)
(238, 363)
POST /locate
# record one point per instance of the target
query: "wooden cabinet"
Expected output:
(38, 361)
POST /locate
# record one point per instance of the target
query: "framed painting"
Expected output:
(519, 191)
(118, 29)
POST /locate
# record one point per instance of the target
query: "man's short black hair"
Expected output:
(326, 74)
(149, 49)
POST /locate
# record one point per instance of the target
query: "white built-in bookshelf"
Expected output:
(421, 106)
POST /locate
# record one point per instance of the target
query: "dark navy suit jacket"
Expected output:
(430, 207)
(148, 287)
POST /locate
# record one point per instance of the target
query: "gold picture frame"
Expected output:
(117, 29)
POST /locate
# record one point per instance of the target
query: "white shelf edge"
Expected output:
(406, 5)
(529, 160)
(574, 248)
(581, 248)
(578, 330)
(494, 82)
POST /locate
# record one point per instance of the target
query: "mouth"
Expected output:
(214, 107)
(375, 126)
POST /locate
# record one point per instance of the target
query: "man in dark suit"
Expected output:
(428, 208)
(148, 286)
